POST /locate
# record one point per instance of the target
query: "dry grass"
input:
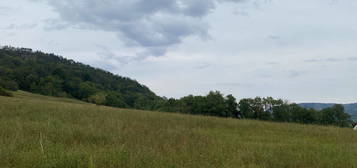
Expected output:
(45, 132)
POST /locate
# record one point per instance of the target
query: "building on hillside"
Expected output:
(24, 49)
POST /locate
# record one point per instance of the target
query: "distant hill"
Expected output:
(49, 74)
(349, 108)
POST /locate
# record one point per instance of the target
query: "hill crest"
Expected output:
(52, 75)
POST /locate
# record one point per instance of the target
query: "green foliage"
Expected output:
(335, 116)
(47, 74)
(245, 107)
(231, 107)
(52, 75)
(115, 100)
(278, 110)
(9, 84)
(97, 98)
(3, 92)
(282, 113)
(269, 109)
(213, 104)
(259, 108)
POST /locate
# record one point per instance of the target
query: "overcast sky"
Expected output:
(302, 51)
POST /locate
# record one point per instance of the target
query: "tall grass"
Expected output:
(45, 132)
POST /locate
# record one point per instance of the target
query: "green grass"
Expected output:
(45, 132)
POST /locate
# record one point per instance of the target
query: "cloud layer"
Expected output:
(300, 50)
(153, 25)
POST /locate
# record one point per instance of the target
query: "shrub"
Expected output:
(9, 85)
(3, 92)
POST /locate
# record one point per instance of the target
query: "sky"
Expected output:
(301, 51)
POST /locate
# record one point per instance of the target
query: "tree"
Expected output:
(245, 108)
(215, 104)
(303, 115)
(254, 108)
(9, 84)
(268, 104)
(232, 107)
(335, 115)
(115, 100)
(282, 113)
(98, 98)
(86, 89)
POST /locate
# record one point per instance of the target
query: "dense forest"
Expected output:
(52, 75)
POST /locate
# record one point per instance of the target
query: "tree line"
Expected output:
(52, 75)
(268, 109)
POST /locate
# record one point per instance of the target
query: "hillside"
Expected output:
(48, 74)
(40, 131)
(350, 108)
(52, 75)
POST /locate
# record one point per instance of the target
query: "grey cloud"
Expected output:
(154, 25)
(334, 2)
(199, 7)
(108, 55)
(4, 10)
(53, 43)
(311, 60)
(106, 65)
(265, 75)
(55, 24)
(272, 63)
(273, 37)
(294, 74)
(20, 26)
(10, 34)
(109, 60)
(352, 59)
(333, 60)
(286, 73)
(235, 84)
(203, 65)
(325, 60)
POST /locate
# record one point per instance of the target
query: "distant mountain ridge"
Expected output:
(349, 108)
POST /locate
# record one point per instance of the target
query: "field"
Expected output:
(45, 132)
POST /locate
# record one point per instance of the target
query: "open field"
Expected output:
(45, 132)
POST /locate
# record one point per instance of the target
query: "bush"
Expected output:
(98, 98)
(3, 92)
(9, 85)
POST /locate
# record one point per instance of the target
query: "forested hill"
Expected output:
(48, 74)
(52, 75)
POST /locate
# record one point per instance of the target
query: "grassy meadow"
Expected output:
(45, 132)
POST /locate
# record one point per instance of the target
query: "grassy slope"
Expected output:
(45, 132)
